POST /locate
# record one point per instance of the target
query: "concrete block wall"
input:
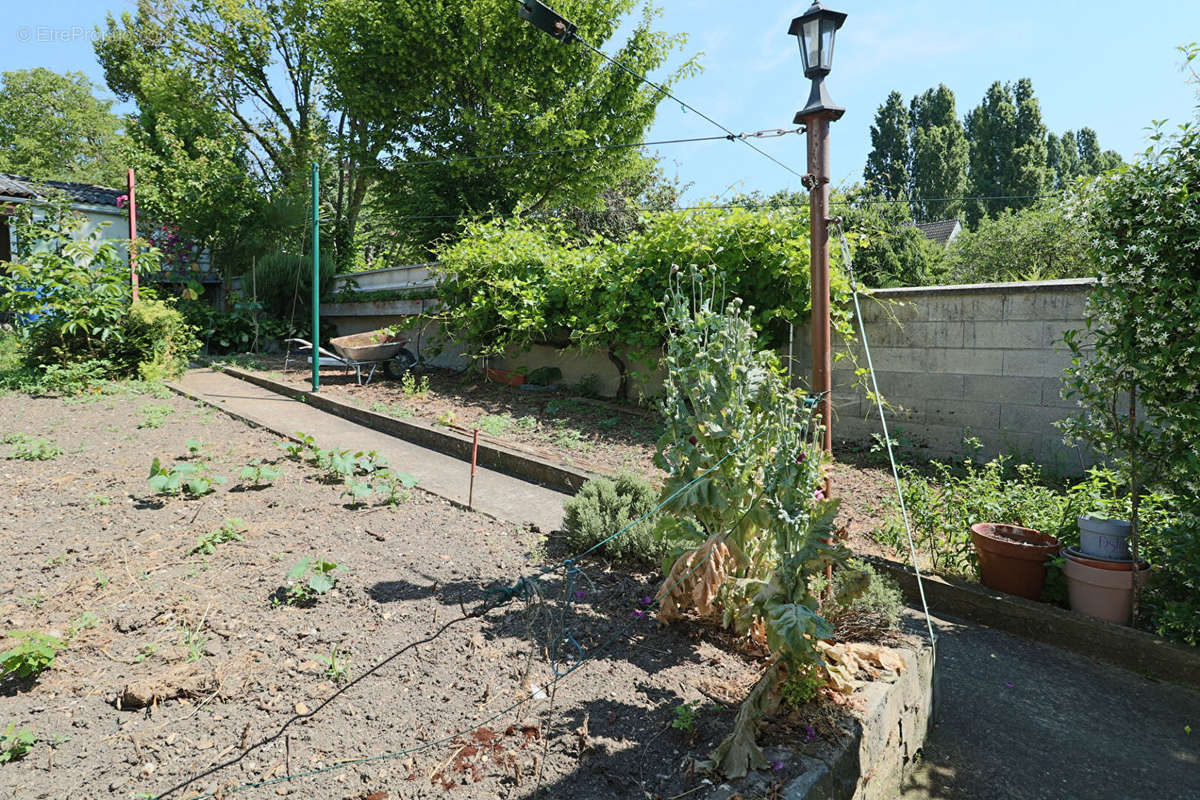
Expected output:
(982, 360)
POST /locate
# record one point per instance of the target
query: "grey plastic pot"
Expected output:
(1104, 538)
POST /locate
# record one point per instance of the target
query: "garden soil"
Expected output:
(181, 678)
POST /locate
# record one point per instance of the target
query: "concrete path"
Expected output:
(496, 494)
(1020, 720)
(1017, 720)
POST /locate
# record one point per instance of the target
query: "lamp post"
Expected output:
(816, 29)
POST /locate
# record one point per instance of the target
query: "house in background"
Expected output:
(941, 232)
(98, 205)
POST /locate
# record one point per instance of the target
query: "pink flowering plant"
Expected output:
(747, 521)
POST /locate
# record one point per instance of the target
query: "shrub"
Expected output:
(71, 299)
(511, 284)
(1134, 371)
(284, 283)
(604, 506)
(155, 341)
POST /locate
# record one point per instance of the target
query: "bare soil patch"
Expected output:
(180, 663)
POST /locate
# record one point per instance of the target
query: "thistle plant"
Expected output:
(748, 521)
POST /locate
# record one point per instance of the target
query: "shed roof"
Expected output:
(28, 188)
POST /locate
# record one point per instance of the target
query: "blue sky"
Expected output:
(1105, 65)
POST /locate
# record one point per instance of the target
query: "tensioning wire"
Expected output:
(573, 36)
(590, 655)
(862, 325)
(729, 137)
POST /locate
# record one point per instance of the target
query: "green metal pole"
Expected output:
(316, 276)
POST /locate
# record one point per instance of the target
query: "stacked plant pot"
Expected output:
(1100, 574)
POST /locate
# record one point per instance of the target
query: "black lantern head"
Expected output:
(816, 29)
(537, 14)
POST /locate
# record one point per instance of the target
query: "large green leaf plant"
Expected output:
(748, 519)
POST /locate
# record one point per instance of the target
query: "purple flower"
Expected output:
(810, 733)
(819, 495)
(1008, 684)
(639, 614)
(646, 601)
(776, 766)
(580, 594)
(800, 458)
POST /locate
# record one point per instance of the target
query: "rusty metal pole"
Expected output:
(133, 276)
(822, 358)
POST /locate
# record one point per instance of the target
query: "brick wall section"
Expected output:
(985, 359)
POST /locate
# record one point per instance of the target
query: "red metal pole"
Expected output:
(822, 359)
(474, 460)
(132, 234)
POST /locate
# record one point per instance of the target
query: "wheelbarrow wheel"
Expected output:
(400, 364)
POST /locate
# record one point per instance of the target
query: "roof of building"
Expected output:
(17, 186)
(942, 231)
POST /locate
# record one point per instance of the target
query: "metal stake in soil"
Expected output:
(316, 276)
(474, 460)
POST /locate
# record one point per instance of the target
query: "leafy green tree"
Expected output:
(888, 164)
(1062, 158)
(53, 127)
(1077, 155)
(1092, 160)
(939, 155)
(1008, 150)
(452, 80)
(1036, 243)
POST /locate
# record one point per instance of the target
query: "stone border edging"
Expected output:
(1129, 648)
(876, 754)
(491, 455)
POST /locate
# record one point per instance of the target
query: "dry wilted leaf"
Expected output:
(695, 578)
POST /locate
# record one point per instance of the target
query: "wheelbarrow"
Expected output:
(362, 352)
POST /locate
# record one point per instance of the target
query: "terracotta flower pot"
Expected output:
(1013, 559)
(1106, 538)
(505, 376)
(1101, 592)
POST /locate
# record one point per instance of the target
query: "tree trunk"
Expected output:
(622, 370)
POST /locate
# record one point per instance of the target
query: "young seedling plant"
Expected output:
(15, 743)
(309, 579)
(298, 451)
(155, 416)
(29, 448)
(337, 666)
(194, 480)
(394, 484)
(32, 656)
(231, 530)
(257, 474)
(358, 493)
